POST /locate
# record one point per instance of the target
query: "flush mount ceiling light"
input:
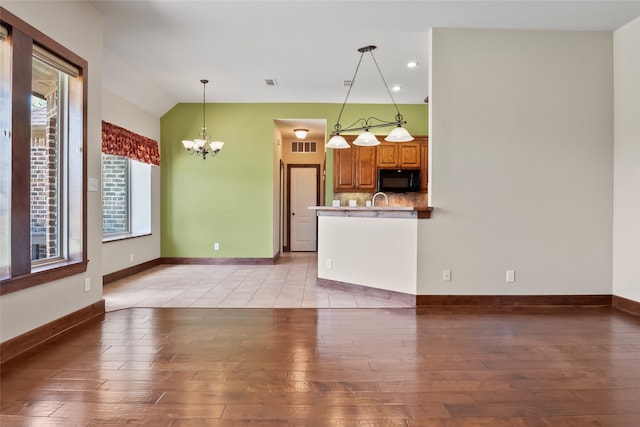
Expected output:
(203, 145)
(398, 134)
(301, 133)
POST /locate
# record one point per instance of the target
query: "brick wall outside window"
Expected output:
(44, 179)
(115, 197)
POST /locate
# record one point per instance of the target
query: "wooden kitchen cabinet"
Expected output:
(388, 155)
(344, 177)
(408, 154)
(424, 163)
(354, 169)
(404, 155)
(366, 179)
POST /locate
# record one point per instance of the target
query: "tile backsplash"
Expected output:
(395, 199)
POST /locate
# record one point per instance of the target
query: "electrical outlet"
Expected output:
(130, 257)
(87, 284)
(510, 276)
(446, 275)
(216, 246)
(328, 263)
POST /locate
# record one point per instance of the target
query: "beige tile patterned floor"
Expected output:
(291, 283)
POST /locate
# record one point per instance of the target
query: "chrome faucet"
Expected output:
(373, 199)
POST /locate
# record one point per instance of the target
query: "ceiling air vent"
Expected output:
(271, 82)
(348, 83)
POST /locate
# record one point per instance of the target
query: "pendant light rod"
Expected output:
(367, 124)
(383, 80)
(204, 125)
(362, 50)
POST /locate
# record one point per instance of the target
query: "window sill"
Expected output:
(127, 236)
(43, 274)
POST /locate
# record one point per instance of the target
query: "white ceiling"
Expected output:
(156, 51)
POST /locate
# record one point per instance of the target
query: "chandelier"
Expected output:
(202, 145)
(366, 138)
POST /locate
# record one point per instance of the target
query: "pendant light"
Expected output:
(366, 138)
(202, 145)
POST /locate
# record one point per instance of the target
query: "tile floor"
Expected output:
(291, 283)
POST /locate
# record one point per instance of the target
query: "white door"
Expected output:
(303, 220)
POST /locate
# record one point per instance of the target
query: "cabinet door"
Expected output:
(344, 177)
(424, 166)
(366, 169)
(409, 154)
(387, 155)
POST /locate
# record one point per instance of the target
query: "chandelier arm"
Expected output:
(385, 85)
(353, 80)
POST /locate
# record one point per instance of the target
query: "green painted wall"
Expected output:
(229, 198)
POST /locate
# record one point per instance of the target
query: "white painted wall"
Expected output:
(375, 252)
(116, 255)
(626, 192)
(77, 26)
(521, 140)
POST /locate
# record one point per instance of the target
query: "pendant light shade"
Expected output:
(216, 146)
(366, 139)
(399, 134)
(338, 141)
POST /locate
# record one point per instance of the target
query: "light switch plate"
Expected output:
(93, 184)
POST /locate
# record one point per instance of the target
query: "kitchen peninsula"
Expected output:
(371, 247)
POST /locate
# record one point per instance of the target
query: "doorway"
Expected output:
(303, 188)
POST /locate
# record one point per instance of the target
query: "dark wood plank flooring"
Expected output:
(333, 367)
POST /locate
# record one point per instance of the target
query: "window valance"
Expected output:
(119, 141)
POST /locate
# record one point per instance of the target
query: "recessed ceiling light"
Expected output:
(396, 88)
(412, 64)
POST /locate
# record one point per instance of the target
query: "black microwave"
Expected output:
(399, 180)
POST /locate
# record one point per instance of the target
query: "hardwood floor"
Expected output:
(177, 367)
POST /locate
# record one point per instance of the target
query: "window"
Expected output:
(127, 159)
(43, 131)
(5, 155)
(126, 197)
(48, 138)
(115, 195)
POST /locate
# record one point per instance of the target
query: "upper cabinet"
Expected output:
(424, 163)
(355, 168)
(404, 155)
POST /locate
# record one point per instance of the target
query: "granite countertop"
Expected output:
(377, 211)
